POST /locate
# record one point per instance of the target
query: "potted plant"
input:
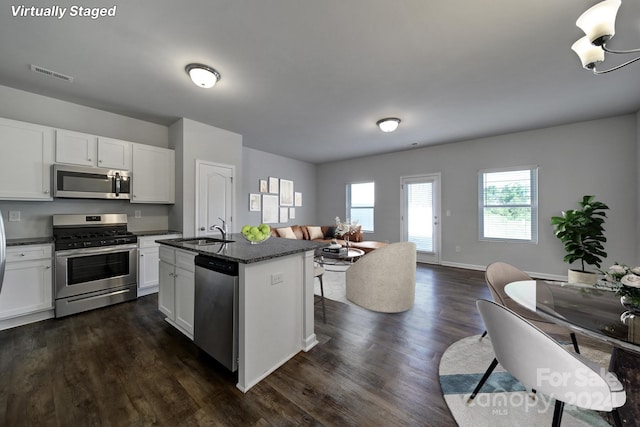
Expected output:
(582, 234)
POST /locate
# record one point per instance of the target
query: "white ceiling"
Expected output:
(308, 79)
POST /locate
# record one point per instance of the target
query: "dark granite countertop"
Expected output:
(242, 251)
(30, 241)
(154, 232)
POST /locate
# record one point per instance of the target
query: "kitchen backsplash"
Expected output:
(35, 217)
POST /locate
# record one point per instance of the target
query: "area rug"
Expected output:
(503, 401)
(333, 282)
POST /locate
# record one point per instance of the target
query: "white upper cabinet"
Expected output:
(76, 148)
(26, 156)
(153, 174)
(114, 153)
(83, 149)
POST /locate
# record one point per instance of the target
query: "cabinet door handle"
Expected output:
(89, 159)
(46, 191)
(99, 161)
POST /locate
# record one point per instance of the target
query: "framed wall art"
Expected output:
(286, 192)
(254, 203)
(284, 215)
(269, 209)
(297, 199)
(263, 186)
(273, 185)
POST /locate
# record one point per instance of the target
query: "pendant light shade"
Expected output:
(389, 124)
(599, 26)
(599, 21)
(202, 75)
(589, 53)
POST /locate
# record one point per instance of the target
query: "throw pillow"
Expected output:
(356, 236)
(314, 232)
(331, 233)
(286, 232)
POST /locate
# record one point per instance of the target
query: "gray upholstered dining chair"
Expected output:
(500, 274)
(537, 360)
(497, 276)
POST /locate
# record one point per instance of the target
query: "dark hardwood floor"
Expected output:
(124, 366)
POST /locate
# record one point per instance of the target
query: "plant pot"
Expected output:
(585, 277)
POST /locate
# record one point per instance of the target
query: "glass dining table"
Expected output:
(595, 311)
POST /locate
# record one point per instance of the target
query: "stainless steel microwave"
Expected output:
(81, 182)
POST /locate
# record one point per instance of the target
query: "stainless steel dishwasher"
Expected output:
(215, 327)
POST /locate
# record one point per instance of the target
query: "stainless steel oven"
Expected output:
(96, 262)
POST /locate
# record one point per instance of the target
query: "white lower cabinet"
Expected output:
(27, 290)
(148, 257)
(176, 296)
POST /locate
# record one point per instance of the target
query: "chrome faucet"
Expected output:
(222, 230)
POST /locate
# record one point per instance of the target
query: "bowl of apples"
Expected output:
(256, 233)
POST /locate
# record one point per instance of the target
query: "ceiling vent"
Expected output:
(50, 73)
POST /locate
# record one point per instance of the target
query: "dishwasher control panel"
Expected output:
(223, 266)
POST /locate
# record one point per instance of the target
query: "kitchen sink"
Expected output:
(206, 241)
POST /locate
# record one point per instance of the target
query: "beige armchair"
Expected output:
(384, 280)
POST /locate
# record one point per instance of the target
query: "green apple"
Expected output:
(245, 229)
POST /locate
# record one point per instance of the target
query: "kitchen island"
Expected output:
(275, 299)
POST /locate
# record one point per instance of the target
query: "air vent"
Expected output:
(50, 73)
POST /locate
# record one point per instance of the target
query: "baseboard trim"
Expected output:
(25, 319)
(537, 275)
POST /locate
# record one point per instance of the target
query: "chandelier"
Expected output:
(598, 23)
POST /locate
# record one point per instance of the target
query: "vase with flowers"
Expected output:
(626, 282)
(344, 229)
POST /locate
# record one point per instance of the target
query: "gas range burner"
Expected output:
(90, 231)
(78, 242)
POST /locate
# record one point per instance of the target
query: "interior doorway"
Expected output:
(214, 197)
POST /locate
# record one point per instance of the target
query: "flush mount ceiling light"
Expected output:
(202, 75)
(598, 23)
(389, 124)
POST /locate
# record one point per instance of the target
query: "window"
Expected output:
(508, 204)
(360, 204)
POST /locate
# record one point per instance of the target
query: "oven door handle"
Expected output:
(74, 253)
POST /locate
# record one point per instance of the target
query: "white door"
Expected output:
(214, 197)
(421, 215)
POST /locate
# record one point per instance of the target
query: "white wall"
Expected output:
(28, 107)
(261, 165)
(197, 141)
(596, 157)
(36, 216)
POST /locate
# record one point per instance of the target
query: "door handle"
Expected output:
(202, 228)
(117, 189)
